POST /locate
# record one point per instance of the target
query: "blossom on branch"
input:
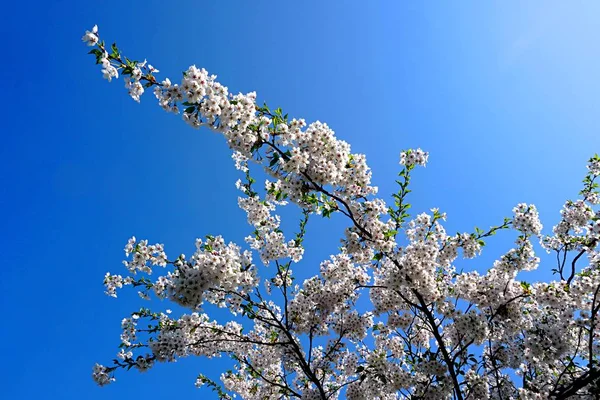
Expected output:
(391, 315)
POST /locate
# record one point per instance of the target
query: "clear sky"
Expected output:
(504, 97)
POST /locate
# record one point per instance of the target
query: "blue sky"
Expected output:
(504, 97)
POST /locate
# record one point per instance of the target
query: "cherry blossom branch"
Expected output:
(413, 285)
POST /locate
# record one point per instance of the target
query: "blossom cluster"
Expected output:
(143, 253)
(411, 158)
(101, 375)
(527, 219)
(268, 239)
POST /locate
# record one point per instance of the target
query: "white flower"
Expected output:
(90, 38)
(414, 157)
(594, 166)
(527, 219)
(108, 71)
(101, 375)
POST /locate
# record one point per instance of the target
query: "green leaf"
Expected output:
(274, 159)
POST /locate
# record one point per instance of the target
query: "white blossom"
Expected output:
(393, 314)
